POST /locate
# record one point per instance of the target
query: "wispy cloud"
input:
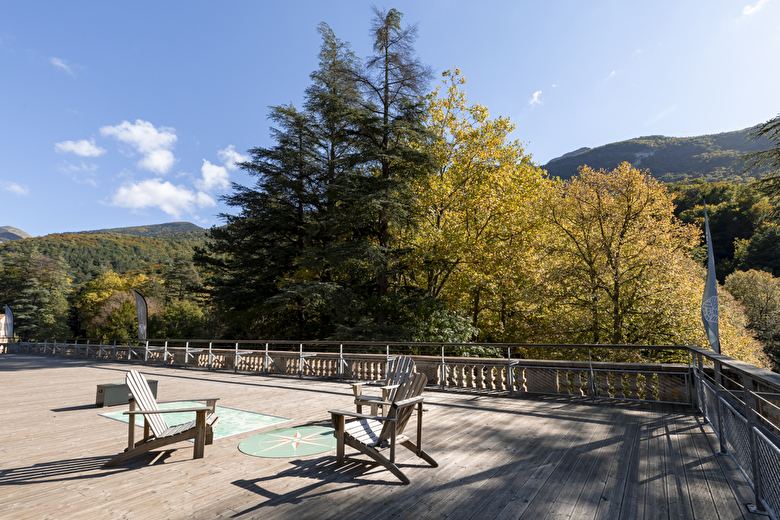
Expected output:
(230, 157)
(154, 144)
(83, 148)
(611, 75)
(62, 65)
(14, 188)
(82, 173)
(749, 10)
(154, 193)
(661, 115)
(536, 99)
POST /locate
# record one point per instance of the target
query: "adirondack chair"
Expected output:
(371, 434)
(161, 434)
(400, 369)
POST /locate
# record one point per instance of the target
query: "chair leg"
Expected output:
(338, 432)
(200, 434)
(409, 445)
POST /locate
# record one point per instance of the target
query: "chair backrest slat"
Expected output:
(401, 369)
(410, 388)
(142, 394)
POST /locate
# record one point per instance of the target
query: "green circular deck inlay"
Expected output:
(290, 442)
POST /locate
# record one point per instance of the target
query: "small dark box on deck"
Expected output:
(117, 393)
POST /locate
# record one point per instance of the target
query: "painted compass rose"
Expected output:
(290, 442)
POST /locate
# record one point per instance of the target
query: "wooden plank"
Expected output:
(726, 502)
(592, 495)
(569, 503)
(676, 484)
(656, 500)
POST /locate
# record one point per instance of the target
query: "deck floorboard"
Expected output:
(499, 457)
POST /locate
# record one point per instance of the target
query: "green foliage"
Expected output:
(183, 319)
(737, 213)
(36, 288)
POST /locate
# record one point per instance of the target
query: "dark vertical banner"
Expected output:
(8, 325)
(709, 300)
(143, 315)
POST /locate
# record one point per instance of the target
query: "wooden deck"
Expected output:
(499, 457)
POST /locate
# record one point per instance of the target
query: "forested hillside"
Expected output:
(88, 255)
(712, 158)
(171, 228)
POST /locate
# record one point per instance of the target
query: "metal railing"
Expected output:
(742, 404)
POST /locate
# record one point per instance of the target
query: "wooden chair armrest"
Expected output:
(174, 410)
(367, 399)
(361, 416)
(185, 400)
(389, 387)
(409, 402)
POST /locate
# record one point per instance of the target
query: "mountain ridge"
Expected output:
(712, 157)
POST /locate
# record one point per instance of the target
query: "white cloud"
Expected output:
(153, 193)
(748, 9)
(153, 143)
(230, 157)
(213, 177)
(536, 98)
(83, 148)
(611, 75)
(14, 188)
(60, 64)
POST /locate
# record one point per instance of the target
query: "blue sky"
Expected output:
(123, 114)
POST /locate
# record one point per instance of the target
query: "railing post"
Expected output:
(591, 377)
(186, 353)
(211, 355)
(235, 360)
(146, 352)
(510, 372)
(341, 362)
(692, 395)
(443, 369)
(750, 413)
(265, 361)
(719, 392)
(300, 361)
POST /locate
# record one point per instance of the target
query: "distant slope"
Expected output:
(669, 159)
(88, 255)
(11, 233)
(171, 228)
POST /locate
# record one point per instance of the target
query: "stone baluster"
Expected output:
(520, 379)
(633, 386)
(649, 388)
(604, 384)
(480, 377)
(619, 385)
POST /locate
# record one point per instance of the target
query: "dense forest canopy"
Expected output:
(388, 208)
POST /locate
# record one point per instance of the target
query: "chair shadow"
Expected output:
(321, 471)
(76, 469)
